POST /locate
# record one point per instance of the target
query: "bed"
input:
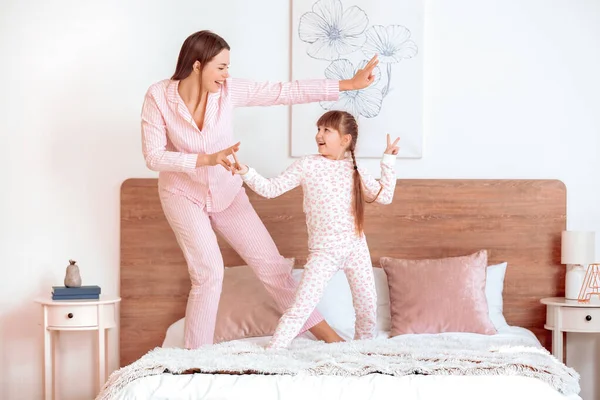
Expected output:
(516, 221)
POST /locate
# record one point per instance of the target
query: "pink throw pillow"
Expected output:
(245, 308)
(438, 295)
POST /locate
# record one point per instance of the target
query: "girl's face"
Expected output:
(331, 143)
(215, 72)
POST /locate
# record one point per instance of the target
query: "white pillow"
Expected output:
(384, 315)
(494, 286)
(336, 303)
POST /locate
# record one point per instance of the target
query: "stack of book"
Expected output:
(76, 293)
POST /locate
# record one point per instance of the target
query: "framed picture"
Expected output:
(334, 38)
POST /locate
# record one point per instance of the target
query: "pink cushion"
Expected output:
(438, 295)
(245, 307)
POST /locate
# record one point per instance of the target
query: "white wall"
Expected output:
(511, 91)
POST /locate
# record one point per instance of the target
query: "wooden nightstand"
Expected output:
(75, 315)
(564, 315)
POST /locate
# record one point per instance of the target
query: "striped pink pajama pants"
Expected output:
(240, 226)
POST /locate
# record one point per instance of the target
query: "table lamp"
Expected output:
(577, 251)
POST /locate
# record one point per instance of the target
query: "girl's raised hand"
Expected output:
(392, 148)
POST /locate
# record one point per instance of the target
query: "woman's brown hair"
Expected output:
(345, 124)
(201, 46)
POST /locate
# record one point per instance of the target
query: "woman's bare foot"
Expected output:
(324, 332)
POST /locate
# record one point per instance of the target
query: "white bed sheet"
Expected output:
(375, 386)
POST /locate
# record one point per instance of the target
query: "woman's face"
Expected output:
(215, 72)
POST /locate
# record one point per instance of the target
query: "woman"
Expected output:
(187, 136)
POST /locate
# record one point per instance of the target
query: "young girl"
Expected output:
(335, 190)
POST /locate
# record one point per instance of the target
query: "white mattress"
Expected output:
(283, 387)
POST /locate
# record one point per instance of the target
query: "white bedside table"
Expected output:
(75, 315)
(564, 315)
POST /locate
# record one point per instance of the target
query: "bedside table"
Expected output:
(564, 315)
(75, 315)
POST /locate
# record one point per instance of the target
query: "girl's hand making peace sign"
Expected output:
(392, 148)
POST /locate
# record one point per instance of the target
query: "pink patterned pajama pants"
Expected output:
(355, 260)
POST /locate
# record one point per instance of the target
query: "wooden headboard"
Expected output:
(519, 221)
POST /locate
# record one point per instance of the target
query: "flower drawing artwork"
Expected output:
(392, 44)
(332, 32)
(337, 35)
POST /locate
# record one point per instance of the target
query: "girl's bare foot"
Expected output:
(324, 332)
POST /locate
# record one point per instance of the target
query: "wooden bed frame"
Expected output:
(518, 221)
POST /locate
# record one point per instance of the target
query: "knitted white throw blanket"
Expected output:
(399, 356)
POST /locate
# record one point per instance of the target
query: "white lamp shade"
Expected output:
(578, 247)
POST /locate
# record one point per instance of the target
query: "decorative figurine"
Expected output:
(72, 277)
